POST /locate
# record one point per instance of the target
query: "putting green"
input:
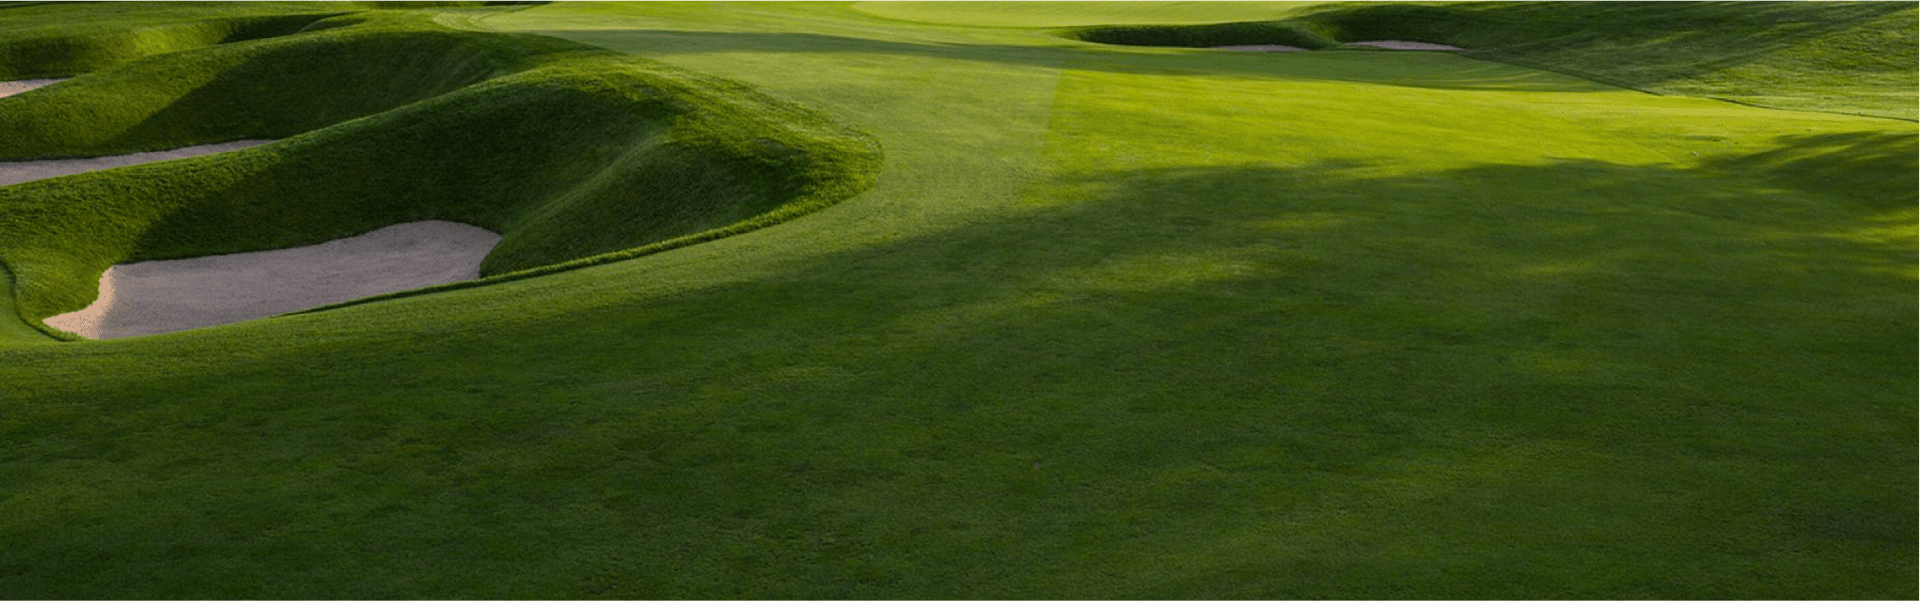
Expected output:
(1110, 321)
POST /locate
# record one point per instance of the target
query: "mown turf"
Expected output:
(1841, 57)
(1112, 321)
(1045, 14)
(568, 151)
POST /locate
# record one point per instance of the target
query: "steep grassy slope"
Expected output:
(13, 330)
(1111, 321)
(569, 152)
(44, 39)
(1839, 57)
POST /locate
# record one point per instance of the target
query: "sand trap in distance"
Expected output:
(9, 88)
(1405, 45)
(26, 171)
(151, 297)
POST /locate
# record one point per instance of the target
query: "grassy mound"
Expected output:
(1109, 323)
(45, 39)
(568, 151)
(1836, 57)
(1780, 54)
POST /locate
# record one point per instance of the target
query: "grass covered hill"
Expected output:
(1101, 320)
(569, 151)
(50, 40)
(1844, 57)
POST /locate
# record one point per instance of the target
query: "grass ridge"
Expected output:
(47, 39)
(569, 151)
(1770, 55)
(1112, 322)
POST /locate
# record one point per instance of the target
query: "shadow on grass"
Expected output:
(1874, 170)
(293, 88)
(1383, 68)
(1645, 44)
(13, 329)
(1131, 362)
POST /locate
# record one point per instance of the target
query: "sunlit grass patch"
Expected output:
(1110, 321)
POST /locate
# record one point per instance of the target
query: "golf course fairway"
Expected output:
(977, 300)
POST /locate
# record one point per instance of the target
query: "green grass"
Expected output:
(1209, 35)
(567, 151)
(45, 39)
(1841, 57)
(1111, 321)
(1043, 14)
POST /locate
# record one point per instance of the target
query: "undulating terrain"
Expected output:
(978, 300)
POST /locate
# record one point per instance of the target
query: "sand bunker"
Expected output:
(9, 88)
(1261, 48)
(26, 171)
(138, 299)
(1405, 45)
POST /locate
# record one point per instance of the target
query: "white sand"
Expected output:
(1261, 48)
(138, 299)
(26, 171)
(1405, 45)
(9, 88)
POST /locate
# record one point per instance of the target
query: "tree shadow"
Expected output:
(1652, 43)
(1359, 66)
(1156, 358)
(1874, 170)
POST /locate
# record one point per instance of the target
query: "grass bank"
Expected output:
(1111, 321)
(52, 39)
(1852, 58)
(568, 151)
